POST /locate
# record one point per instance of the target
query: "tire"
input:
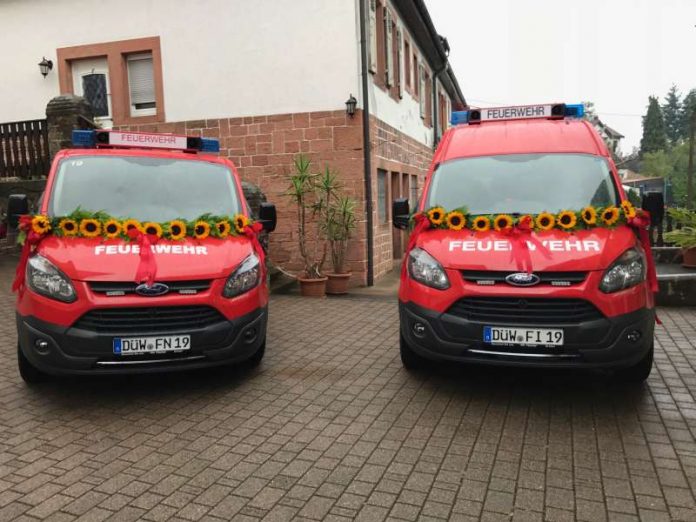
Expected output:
(29, 373)
(255, 359)
(409, 358)
(640, 371)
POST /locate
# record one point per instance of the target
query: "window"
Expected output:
(407, 65)
(141, 85)
(382, 196)
(122, 80)
(388, 48)
(428, 99)
(413, 196)
(373, 36)
(416, 76)
(399, 69)
(421, 89)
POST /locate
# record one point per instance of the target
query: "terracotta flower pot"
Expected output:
(689, 257)
(337, 283)
(312, 287)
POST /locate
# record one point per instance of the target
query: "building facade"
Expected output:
(269, 79)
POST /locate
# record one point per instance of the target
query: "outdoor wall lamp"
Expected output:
(45, 66)
(351, 103)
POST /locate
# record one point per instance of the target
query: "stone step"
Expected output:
(677, 285)
(667, 254)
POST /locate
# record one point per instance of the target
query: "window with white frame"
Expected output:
(141, 85)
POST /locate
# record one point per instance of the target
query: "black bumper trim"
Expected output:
(72, 351)
(591, 344)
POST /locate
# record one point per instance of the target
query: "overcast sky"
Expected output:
(612, 52)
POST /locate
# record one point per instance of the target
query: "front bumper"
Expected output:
(600, 343)
(75, 351)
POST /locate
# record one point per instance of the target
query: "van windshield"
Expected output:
(522, 183)
(148, 189)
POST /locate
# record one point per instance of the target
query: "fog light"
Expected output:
(250, 335)
(634, 336)
(419, 329)
(41, 346)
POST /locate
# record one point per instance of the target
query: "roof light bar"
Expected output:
(142, 140)
(519, 112)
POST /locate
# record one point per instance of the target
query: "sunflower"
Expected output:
(240, 223)
(176, 230)
(68, 227)
(610, 216)
(436, 215)
(628, 209)
(40, 225)
(201, 229)
(128, 224)
(481, 224)
(566, 219)
(589, 215)
(502, 221)
(112, 228)
(455, 220)
(90, 227)
(223, 228)
(545, 221)
(152, 229)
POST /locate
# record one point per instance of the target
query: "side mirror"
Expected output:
(400, 213)
(17, 205)
(267, 216)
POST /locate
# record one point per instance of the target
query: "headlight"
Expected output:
(627, 271)
(425, 269)
(45, 279)
(244, 278)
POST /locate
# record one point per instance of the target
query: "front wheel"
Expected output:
(29, 373)
(409, 358)
(640, 371)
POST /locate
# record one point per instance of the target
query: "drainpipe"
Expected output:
(367, 149)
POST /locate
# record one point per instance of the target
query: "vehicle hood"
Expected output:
(117, 260)
(554, 250)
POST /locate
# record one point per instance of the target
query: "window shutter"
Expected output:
(141, 82)
(399, 62)
(372, 60)
(422, 90)
(389, 35)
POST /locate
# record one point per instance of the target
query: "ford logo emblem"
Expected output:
(151, 291)
(522, 279)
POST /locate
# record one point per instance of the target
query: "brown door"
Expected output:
(399, 184)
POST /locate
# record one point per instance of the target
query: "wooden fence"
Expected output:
(24, 149)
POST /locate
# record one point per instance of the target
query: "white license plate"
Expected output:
(140, 345)
(514, 336)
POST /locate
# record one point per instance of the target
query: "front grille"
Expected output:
(147, 320)
(490, 277)
(125, 288)
(528, 310)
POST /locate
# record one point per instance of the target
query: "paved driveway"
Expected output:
(331, 427)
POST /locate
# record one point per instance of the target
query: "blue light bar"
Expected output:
(86, 139)
(210, 145)
(574, 110)
(459, 117)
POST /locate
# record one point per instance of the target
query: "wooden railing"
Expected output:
(24, 149)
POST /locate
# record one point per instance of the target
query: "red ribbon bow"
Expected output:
(252, 231)
(147, 267)
(30, 243)
(520, 236)
(641, 223)
(422, 223)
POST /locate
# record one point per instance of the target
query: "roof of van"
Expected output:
(530, 136)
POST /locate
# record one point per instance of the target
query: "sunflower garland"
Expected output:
(84, 224)
(566, 220)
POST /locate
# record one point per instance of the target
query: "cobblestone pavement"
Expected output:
(330, 427)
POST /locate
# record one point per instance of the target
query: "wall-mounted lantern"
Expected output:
(351, 103)
(45, 66)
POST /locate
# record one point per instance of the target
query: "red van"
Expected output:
(525, 251)
(142, 257)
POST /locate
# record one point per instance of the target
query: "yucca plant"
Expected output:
(339, 226)
(684, 237)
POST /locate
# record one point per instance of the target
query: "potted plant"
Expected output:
(339, 225)
(303, 192)
(685, 236)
